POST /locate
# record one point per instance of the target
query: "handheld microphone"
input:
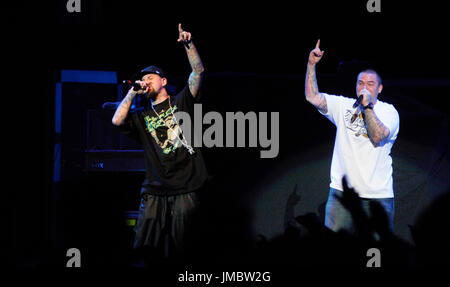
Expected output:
(363, 92)
(358, 101)
(135, 86)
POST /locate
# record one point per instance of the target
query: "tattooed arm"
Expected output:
(311, 90)
(123, 108)
(196, 75)
(376, 130)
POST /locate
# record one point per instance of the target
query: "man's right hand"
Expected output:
(122, 110)
(315, 55)
(144, 89)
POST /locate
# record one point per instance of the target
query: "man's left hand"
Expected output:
(367, 97)
(183, 36)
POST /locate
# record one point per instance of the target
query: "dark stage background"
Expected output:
(255, 59)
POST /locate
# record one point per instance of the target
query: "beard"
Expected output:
(151, 95)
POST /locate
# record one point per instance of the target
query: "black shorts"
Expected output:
(161, 215)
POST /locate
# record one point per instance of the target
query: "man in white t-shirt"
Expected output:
(365, 133)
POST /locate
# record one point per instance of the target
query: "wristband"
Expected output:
(187, 43)
(369, 106)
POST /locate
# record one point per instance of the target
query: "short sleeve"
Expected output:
(185, 100)
(128, 127)
(333, 107)
(391, 119)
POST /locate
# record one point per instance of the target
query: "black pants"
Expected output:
(162, 223)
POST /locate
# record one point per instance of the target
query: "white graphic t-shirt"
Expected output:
(368, 168)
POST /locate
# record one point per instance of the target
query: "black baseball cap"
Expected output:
(149, 70)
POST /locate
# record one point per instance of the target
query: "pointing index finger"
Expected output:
(179, 28)
(317, 45)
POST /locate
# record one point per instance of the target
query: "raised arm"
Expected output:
(311, 90)
(196, 75)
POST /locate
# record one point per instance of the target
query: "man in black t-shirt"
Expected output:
(175, 169)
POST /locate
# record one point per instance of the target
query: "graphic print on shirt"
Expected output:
(355, 123)
(164, 130)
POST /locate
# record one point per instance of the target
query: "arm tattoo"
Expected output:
(312, 90)
(123, 108)
(376, 130)
(197, 68)
(194, 82)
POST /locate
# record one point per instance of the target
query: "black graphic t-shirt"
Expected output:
(171, 169)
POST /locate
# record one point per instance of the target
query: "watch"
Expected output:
(369, 106)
